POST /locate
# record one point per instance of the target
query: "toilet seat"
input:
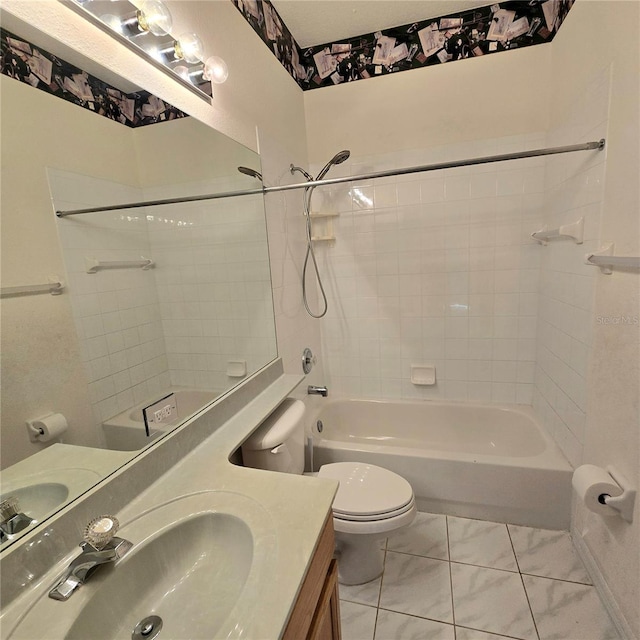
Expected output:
(368, 493)
(356, 517)
(377, 528)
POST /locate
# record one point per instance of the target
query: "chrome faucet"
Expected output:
(100, 546)
(12, 520)
(317, 391)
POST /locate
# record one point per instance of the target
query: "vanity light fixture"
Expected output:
(145, 27)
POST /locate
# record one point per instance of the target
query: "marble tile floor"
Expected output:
(450, 578)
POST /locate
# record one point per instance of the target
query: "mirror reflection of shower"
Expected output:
(339, 158)
(250, 172)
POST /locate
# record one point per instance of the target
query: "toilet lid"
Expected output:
(366, 490)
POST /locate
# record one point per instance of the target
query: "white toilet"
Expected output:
(371, 502)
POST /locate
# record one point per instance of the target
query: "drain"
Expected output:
(147, 629)
(319, 426)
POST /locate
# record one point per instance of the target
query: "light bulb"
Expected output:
(215, 70)
(153, 16)
(189, 47)
(113, 22)
(182, 71)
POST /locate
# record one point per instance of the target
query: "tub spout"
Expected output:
(317, 391)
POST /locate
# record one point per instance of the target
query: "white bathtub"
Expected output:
(476, 461)
(126, 432)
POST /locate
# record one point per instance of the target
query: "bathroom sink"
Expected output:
(40, 494)
(40, 498)
(196, 563)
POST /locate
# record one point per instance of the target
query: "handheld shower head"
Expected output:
(250, 172)
(339, 158)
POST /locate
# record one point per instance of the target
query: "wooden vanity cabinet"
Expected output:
(316, 613)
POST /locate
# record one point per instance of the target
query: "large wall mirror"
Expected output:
(164, 308)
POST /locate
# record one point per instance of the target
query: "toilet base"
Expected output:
(360, 558)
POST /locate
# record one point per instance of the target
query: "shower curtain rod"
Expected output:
(587, 146)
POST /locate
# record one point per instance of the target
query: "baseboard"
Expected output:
(609, 602)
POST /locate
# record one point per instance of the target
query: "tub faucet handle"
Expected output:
(317, 391)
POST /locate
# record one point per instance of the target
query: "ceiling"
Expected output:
(314, 22)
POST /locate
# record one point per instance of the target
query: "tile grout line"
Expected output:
(526, 594)
(384, 566)
(500, 635)
(535, 575)
(453, 608)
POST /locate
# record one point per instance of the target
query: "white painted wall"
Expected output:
(42, 369)
(477, 99)
(596, 35)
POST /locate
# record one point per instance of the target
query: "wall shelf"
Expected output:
(605, 259)
(322, 226)
(319, 214)
(575, 231)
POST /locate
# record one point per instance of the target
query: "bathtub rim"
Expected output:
(551, 458)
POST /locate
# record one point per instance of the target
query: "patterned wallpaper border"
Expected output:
(34, 66)
(502, 26)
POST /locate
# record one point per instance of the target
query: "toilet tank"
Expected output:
(278, 443)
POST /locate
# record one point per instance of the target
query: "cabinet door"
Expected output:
(326, 620)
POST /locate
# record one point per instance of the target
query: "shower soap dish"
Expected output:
(322, 226)
(237, 368)
(423, 374)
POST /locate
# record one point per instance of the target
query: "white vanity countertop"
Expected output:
(286, 515)
(297, 506)
(60, 456)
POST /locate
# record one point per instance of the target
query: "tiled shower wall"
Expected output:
(574, 189)
(206, 302)
(214, 284)
(437, 269)
(117, 312)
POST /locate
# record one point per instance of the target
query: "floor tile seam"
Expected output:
(513, 548)
(536, 575)
(419, 555)
(526, 594)
(384, 567)
(415, 615)
(453, 606)
(364, 604)
(483, 566)
(533, 618)
(375, 624)
(500, 635)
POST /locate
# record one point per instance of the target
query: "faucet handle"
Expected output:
(100, 531)
(9, 508)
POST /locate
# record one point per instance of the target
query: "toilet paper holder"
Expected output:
(623, 503)
(47, 427)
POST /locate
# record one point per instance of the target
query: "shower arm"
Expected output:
(597, 145)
